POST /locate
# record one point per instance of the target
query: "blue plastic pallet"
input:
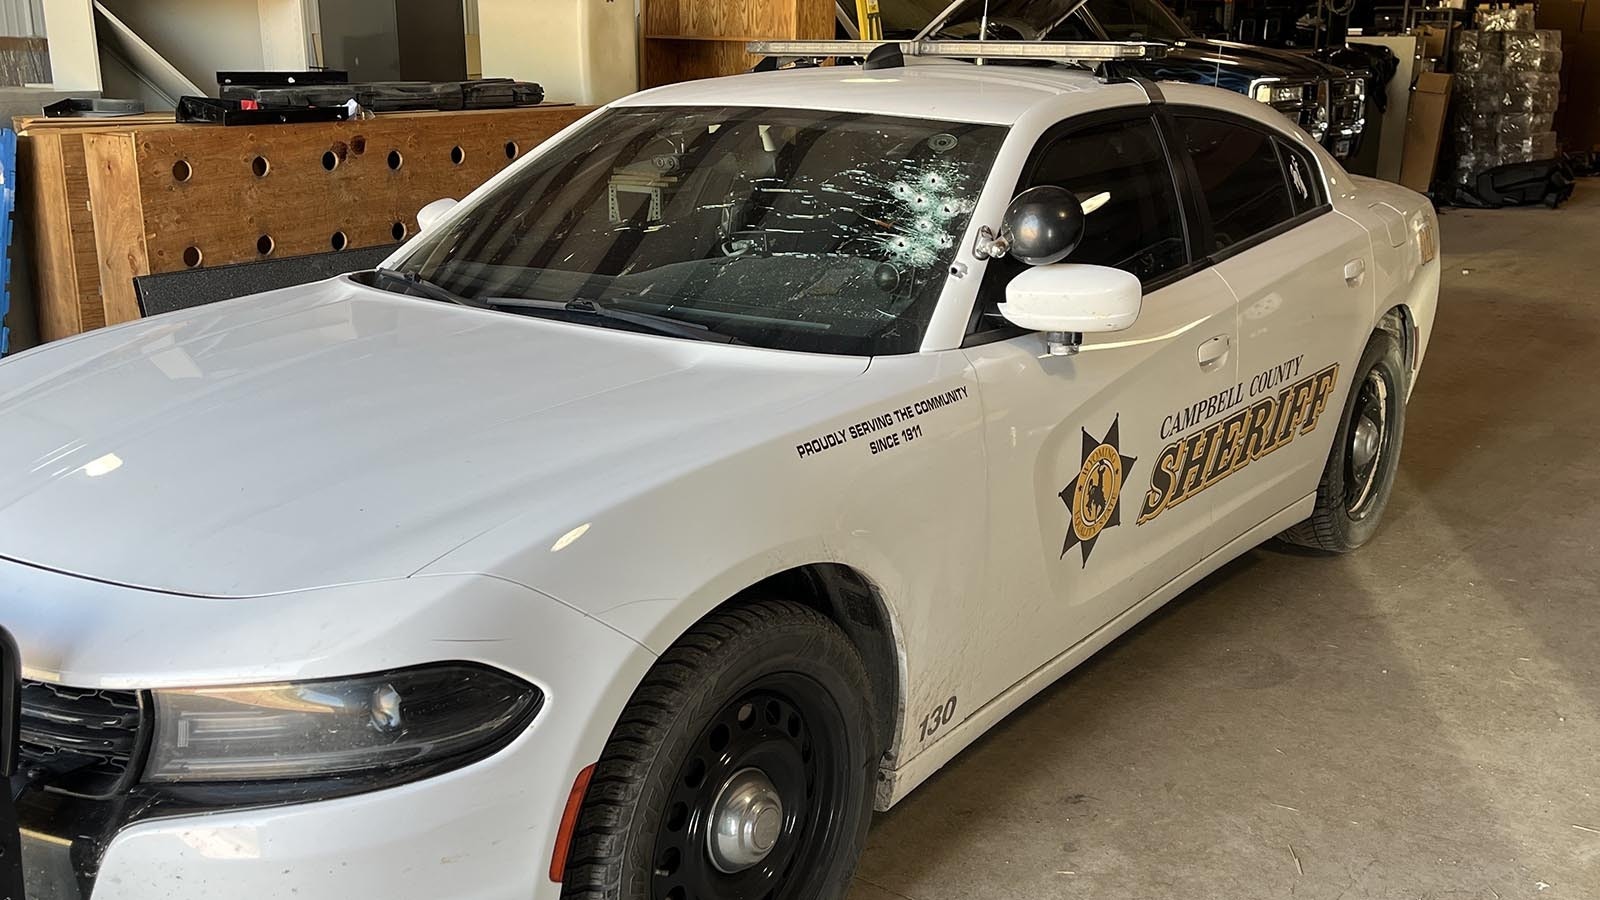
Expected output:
(8, 205)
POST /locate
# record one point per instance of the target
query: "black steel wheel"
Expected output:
(1368, 437)
(758, 800)
(742, 770)
(1360, 472)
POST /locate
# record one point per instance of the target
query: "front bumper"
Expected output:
(480, 833)
(483, 831)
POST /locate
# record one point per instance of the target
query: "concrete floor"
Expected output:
(1418, 720)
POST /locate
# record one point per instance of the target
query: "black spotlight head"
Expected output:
(1043, 225)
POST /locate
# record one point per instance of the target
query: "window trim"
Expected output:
(1171, 114)
(1151, 112)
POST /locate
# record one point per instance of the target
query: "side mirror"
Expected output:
(1067, 300)
(429, 215)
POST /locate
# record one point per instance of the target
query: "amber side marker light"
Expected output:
(569, 824)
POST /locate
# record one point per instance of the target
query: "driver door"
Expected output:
(1082, 477)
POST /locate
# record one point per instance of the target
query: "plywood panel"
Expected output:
(54, 173)
(208, 196)
(671, 61)
(688, 39)
(30, 125)
(45, 184)
(118, 220)
(80, 223)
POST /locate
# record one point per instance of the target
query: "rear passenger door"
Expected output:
(1300, 272)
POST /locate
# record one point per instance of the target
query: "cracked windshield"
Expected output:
(790, 229)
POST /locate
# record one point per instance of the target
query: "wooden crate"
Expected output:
(169, 197)
(55, 180)
(688, 39)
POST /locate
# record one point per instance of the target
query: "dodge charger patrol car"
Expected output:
(699, 485)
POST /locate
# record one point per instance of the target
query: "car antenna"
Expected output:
(1111, 71)
(885, 56)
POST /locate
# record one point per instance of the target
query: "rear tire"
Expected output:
(1361, 467)
(761, 713)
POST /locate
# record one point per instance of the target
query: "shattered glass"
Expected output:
(792, 229)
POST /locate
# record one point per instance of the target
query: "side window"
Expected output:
(1305, 181)
(1121, 173)
(1120, 170)
(1241, 179)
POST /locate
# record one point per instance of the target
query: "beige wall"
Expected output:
(199, 37)
(74, 59)
(580, 50)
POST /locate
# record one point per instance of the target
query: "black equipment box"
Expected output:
(388, 96)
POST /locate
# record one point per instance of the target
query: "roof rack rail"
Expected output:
(1060, 51)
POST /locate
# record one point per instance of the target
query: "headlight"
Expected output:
(312, 729)
(1273, 93)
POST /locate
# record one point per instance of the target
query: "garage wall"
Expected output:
(358, 36)
(198, 37)
(580, 50)
(22, 18)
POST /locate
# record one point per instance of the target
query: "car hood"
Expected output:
(334, 434)
(1262, 62)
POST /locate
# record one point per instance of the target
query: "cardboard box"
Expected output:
(1425, 124)
(1434, 38)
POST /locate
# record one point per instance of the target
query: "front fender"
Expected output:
(910, 518)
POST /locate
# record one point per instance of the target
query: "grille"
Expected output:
(1347, 113)
(1301, 101)
(86, 739)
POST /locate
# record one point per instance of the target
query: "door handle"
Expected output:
(1214, 352)
(1355, 272)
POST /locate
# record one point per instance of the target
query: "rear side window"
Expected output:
(1241, 179)
(1120, 172)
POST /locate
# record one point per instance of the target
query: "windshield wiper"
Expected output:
(411, 281)
(659, 324)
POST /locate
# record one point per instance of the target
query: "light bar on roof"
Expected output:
(1058, 50)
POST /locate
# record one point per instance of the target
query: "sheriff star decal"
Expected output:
(1095, 496)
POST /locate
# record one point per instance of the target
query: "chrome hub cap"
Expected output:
(1369, 436)
(1364, 445)
(746, 820)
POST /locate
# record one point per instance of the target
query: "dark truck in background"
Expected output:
(1327, 100)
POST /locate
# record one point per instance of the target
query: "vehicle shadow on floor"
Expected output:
(1265, 735)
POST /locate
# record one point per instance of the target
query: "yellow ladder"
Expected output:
(870, 20)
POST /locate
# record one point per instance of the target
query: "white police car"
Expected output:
(702, 483)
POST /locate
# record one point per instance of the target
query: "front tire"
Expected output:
(1360, 472)
(743, 768)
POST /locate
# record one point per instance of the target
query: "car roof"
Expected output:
(945, 90)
